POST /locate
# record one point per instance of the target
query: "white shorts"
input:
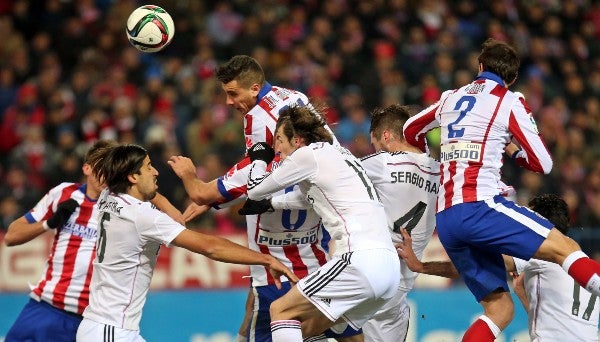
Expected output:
(390, 322)
(92, 331)
(353, 286)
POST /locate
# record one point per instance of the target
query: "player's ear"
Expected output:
(132, 178)
(255, 89)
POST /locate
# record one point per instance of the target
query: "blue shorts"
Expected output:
(476, 234)
(40, 321)
(260, 324)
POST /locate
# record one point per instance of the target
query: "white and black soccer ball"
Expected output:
(150, 28)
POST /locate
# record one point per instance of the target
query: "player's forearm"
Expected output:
(200, 192)
(225, 250)
(20, 231)
(162, 203)
(440, 268)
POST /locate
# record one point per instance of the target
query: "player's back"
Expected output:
(343, 195)
(67, 270)
(474, 123)
(407, 184)
(559, 309)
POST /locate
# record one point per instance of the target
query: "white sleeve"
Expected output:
(520, 265)
(291, 200)
(297, 167)
(158, 226)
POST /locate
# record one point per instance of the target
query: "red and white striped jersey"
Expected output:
(260, 121)
(68, 269)
(477, 122)
(294, 237)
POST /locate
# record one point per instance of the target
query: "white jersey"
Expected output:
(407, 184)
(333, 181)
(293, 237)
(68, 271)
(131, 232)
(477, 122)
(559, 309)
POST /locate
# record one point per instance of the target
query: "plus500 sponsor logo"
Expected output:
(286, 238)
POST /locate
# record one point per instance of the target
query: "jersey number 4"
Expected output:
(411, 218)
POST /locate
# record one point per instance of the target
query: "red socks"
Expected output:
(480, 331)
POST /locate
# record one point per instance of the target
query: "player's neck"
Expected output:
(398, 146)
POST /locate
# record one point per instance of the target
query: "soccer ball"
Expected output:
(150, 28)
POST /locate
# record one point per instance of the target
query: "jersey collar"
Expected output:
(491, 76)
(263, 91)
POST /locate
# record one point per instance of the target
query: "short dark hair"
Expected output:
(242, 68)
(500, 58)
(391, 118)
(119, 163)
(554, 208)
(305, 122)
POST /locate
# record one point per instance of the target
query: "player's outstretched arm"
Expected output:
(221, 249)
(438, 268)
(20, 231)
(162, 203)
(200, 192)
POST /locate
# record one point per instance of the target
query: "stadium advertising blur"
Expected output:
(197, 299)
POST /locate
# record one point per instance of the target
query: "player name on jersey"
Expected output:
(414, 179)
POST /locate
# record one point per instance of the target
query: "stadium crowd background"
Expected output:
(68, 77)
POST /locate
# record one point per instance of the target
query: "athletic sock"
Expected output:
(584, 270)
(482, 330)
(286, 331)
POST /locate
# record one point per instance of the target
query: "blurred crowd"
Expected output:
(68, 77)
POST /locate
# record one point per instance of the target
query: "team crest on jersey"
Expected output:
(535, 127)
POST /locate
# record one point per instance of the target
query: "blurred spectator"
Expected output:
(67, 66)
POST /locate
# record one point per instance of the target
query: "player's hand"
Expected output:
(64, 210)
(406, 252)
(261, 151)
(194, 210)
(182, 166)
(252, 207)
(518, 284)
(277, 269)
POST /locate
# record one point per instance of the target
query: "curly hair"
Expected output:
(554, 208)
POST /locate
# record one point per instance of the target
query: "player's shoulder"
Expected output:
(374, 156)
(61, 188)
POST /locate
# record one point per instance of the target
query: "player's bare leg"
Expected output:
(564, 251)
(289, 311)
(498, 313)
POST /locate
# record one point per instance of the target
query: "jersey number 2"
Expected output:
(457, 133)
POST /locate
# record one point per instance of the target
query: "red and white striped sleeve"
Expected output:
(534, 154)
